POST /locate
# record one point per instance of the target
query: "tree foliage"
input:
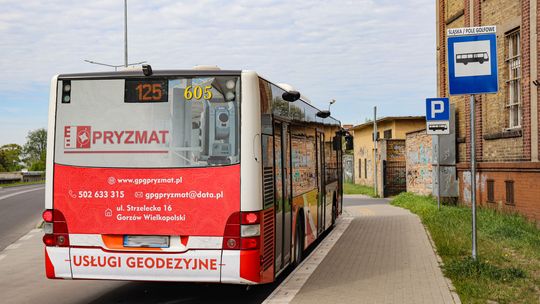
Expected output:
(35, 150)
(10, 157)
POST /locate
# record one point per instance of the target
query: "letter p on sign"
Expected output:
(437, 109)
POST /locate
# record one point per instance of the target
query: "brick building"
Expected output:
(391, 134)
(508, 170)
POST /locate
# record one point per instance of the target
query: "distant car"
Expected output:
(479, 57)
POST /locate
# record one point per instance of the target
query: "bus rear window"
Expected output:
(169, 123)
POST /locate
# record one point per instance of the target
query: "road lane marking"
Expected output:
(19, 242)
(288, 289)
(13, 246)
(26, 237)
(20, 192)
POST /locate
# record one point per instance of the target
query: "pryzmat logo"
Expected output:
(82, 137)
(77, 137)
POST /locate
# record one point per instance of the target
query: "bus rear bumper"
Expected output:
(212, 266)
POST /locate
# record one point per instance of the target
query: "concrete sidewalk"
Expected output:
(383, 256)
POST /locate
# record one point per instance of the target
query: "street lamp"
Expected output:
(326, 113)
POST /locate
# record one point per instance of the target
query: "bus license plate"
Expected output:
(152, 241)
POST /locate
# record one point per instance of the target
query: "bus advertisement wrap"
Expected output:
(194, 201)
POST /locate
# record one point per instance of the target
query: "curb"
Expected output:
(451, 287)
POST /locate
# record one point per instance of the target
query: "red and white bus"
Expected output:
(200, 175)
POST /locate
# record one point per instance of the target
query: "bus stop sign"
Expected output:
(472, 60)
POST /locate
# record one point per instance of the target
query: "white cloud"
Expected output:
(362, 52)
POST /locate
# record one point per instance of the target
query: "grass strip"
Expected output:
(508, 266)
(349, 188)
(21, 184)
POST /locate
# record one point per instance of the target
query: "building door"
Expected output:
(282, 152)
(321, 203)
(394, 177)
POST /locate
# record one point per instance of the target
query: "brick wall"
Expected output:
(419, 157)
(492, 143)
(525, 179)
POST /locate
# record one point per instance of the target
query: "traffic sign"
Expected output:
(472, 60)
(437, 116)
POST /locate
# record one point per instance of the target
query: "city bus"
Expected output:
(201, 175)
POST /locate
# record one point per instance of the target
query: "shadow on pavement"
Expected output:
(171, 293)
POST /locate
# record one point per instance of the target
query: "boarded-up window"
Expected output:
(360, 167)
(365, 168)
(509, 192)
(387, 134)
(490, 190)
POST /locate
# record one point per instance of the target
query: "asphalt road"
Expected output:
(21, 209)
(22, 273)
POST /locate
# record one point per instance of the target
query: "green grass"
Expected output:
(508, 266)
(349, 188)
(21, 184)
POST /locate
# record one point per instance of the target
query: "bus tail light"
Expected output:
(47, 215)
(250, 243)
(242, 231)
(55, 228)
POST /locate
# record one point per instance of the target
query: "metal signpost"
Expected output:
(375, 137)
(438, 123)
(472, 69)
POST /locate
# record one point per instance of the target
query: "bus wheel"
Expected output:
(298, 244)
(334, 209)
(465, 63)
(481, 61)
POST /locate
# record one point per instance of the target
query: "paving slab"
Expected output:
(383, 256)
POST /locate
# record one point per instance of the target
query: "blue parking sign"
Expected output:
(437, 109)
(472, 60)
(438, 116)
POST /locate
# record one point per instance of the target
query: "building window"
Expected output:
(387, 134)
(509, 192)
(360, 167)
(513, 84)
(490, 190)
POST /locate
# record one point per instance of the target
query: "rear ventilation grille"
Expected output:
(268, 239)
(268, 187)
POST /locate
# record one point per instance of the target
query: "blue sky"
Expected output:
(360, 52)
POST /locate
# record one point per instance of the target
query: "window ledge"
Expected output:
(508, 133)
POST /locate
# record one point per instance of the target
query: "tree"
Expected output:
(10, 157)
(35, 150)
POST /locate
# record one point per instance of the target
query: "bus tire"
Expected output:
(334, 209)
(299, 240)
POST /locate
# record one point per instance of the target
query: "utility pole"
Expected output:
(375, 149)
(126, 64)
(125, 35)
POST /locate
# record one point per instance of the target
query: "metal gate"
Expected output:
(394, 180)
